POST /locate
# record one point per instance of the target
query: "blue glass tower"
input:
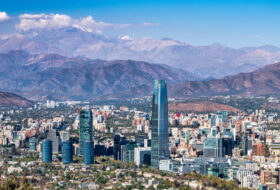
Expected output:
(160, 141)
(86, 131)
(88, 152)
(32, 144)
(67, 152)
(47, 151)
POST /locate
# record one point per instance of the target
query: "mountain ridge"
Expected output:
(50, 75)
(214, 60)
(10, 100)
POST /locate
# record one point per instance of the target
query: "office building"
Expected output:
(160, 141)
(65, 136)
(213, 147)
(141, 155)
(119, 148)
(47, 151)
(86, 129)
(33, 143)
(88, 152)
(129, 155)
(56, 142)
(67, 152)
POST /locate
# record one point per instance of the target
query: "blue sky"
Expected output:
(233, 23)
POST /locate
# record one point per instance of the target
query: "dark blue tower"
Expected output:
(47, 151)
(67, 152)
(88, 152)
(160, 139)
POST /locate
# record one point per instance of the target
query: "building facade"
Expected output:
(67, 152)
(88, 152)
(47, 151)
(213, 147)
(160, 141)
(86, 129)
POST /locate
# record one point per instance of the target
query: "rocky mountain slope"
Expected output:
(13, 100)
(51, 76)
(265, 80)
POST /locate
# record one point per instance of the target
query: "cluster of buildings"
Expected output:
(233, 146)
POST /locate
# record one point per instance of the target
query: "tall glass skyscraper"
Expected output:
(160, 141)
(86, 131)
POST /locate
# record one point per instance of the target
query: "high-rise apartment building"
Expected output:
(160, 141)
(86, 129)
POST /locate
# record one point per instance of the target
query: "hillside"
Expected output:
(13, 100)
(52, 76)
(201, 107)
(265, 80)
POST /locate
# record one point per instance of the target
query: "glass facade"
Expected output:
(88, 152)
(129, 156)
(213, 147)
(32, 144)
(86, 130)
(47, 151)
(160, 141)
(67, 152)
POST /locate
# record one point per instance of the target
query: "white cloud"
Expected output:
(40, 21)
(150, 24)
(50, 21)
(4, 16)
(126, 37)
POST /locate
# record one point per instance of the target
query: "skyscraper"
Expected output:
(88, 152)
(47, 151)
(67, 152)
(160, 141)
(53, 136)
(86, 130)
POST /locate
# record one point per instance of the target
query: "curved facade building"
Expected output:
(67, 152)
(47, 151)
(88, 152)
(160, 140)
(86, 130)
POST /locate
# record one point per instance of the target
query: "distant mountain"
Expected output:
(206, 61)
(51, 76)
(263, 81)
(12, 100)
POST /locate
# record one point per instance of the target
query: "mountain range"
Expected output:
(215, 61)
(263, 81)
(52, 76)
